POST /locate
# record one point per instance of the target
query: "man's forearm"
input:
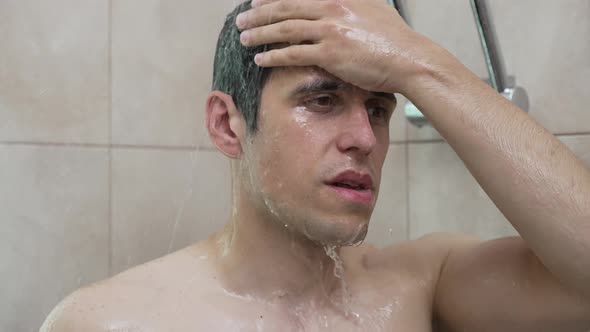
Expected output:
(536, 181)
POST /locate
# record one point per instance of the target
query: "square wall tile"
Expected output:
(54, 234)
(389, 221)
(54, 82)
(162, 55)
(546, 46)
(444, 196)
(165, 200)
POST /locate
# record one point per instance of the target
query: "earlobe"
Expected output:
(224, 124)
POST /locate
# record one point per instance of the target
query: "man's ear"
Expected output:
(225, 124)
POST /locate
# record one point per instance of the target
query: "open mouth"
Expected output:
(353, 193)
(353, 187)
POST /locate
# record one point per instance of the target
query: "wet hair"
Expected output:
(234, 70)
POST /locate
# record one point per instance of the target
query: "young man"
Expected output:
(307, 130)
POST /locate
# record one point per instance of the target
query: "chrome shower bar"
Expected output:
(401, 9)
(490, 45)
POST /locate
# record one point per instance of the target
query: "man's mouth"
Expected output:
(353, 186)
(348, 185)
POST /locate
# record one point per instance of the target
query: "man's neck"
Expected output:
(259, 257)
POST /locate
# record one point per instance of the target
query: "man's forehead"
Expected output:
(308, 78)
(297, 75)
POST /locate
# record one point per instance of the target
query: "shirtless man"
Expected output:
(306, 158)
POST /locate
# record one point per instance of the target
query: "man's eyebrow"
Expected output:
(324, 84)
(318, 85)
(389, 96)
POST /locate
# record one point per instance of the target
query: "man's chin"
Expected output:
(338, 234)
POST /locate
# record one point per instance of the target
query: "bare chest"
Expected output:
(397, 313)
(376, 299)
(394, 305)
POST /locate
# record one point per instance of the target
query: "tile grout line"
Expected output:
(584, 133)
(108, 146)
(407, 174)
(110, 119)
(441, 140)
(199, 148)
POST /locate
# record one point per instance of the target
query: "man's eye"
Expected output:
(377, 112)
(323, 101)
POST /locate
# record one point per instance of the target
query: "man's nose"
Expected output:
(357, 134)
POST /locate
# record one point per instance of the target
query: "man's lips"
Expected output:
(364, 197)
(353, 186)
(353, 179)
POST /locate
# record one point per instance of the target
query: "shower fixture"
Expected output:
(504, 84)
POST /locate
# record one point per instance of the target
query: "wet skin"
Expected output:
(389, 290)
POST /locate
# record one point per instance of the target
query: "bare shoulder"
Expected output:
(77, 312)
(421, 259)
(131, 296)
(426, 251)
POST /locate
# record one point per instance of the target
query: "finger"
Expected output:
(296, 55)
(279, 11)
(258, 3)
(292, 31)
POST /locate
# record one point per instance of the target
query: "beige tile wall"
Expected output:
(105, 164)
(54, 84)
(54, 230)
(389, 223)
(162, 69)
(164, 200)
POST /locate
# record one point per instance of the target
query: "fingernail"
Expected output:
(241, 20)
(245, 37)
(258, 58)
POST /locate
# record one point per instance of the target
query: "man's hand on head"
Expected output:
(363, 42)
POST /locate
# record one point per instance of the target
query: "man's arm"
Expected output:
(500, 285)
(535, 180)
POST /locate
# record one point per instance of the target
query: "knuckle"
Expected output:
(286, 28)
(333, 6)
(330, 28)
(328, 51)
(293, 56)
(285, 6)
